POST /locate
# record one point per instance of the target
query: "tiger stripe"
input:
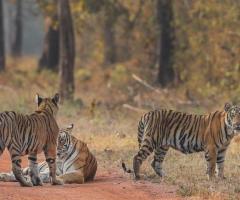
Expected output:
(30, 135)
(160, 130)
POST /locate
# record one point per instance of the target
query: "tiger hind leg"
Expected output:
(159, 155)
(17, 171)
(145, 150)
(33, 170)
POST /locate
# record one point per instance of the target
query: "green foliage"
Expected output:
(207, 34)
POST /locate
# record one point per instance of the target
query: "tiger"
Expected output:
(212, 133)
(30, 135)
(75, 163)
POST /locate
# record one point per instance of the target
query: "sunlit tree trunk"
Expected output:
(2, 52)
(165, 48)
(67, 50)
(50, 55)
(17, 42)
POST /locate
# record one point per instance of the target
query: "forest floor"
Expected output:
(107, 186)
(104, 116)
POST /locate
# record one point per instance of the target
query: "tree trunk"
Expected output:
(2, 52)
(50, 55)
(109, 39)
(17, 43)
(165, 48)
(67, 51)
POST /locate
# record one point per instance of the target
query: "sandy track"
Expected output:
(107, 186)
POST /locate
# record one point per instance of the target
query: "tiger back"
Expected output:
(30, 135)
(161, 129)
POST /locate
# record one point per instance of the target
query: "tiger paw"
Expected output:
(3, 177)
(57, 181)
(157, 168)
(136, 177)
(160, 173)
(212, 178)
(26, 184)
(36, 181)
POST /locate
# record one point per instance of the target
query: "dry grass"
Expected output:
(110, 130)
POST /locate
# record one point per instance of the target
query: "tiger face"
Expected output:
(233, 117)
(64, 142)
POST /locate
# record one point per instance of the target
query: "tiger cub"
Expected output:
(75, 163)
(30, 135)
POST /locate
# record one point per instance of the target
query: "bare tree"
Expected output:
(165, 46)
(2, 51)
(109, 37)
(17, 42)
(67, 50)
(50, 55)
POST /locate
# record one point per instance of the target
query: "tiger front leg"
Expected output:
(33, 170)
(211, 158)
(220, 162)
(50, 155)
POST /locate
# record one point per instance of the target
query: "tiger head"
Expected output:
(232, 118)
(50, 104)
(64, 142)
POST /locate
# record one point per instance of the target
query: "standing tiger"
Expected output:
(30, 135)
(75, 163)
(160, 129)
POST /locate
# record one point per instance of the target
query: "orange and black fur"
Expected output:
(75, 163)
(30, 135)
(161, 129)
(78, 163)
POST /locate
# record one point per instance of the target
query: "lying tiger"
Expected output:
(75, 163)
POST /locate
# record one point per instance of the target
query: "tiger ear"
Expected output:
(38, 99)
(56, 98)
(227, 106)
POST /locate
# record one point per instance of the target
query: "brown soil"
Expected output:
(107, 186)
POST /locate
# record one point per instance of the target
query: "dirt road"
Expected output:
(107, 186)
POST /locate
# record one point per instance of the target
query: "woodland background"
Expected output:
(188, 45)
